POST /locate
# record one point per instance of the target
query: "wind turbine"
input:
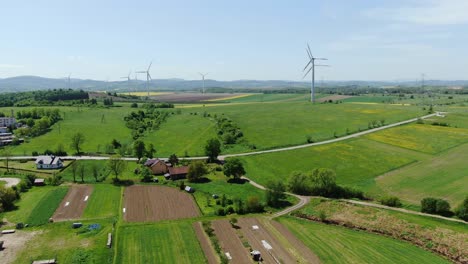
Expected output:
(128, 80)
(148, 76)
(69, 81)
(203, 78)
(312, 65)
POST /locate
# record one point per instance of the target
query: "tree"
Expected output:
(95, 171)
(116, 144)
(173, 159)
(6, 153)
(324, 182)
(212, 149)
(253, 205)
(81, 170)
(150, 151)
(146, 174)
(196, 170)
(139, 148)
(462, 210)
(428, 205)
(298, 183)
(7, 198)
(443, 208)
(275, 193)
(233, 167)
(74, 168)
(77, 141)
(116, 165)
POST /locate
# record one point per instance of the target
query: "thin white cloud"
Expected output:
(11, 66)
(435, 12)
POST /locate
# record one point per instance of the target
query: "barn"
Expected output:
(156, 166)
(178, 172)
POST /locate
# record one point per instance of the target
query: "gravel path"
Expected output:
(10, 181)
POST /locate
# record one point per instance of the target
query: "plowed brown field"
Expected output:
(155, 203)
(74, 203)
(230, 242)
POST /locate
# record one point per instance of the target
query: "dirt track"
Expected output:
(74, 203)
(230, 242)
(261, 240)
(155, 203)
(204, 240)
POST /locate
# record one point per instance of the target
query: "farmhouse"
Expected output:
(178, 172)
(3, 129)
(156, 166)
(49, 162)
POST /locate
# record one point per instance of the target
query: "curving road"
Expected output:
(256, 152)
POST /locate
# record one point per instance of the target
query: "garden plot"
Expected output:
(155, 203)
(74, 203)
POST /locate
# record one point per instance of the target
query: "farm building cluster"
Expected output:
(160, 167)
(6, 124)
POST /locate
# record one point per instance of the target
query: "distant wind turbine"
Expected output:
(148, 76)
(311, 65)
(203, 78)
(128, 79)
(69, 81)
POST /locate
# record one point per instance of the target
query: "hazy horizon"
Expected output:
(363, 40)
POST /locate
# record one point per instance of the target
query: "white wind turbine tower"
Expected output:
(203, 78)
(311, 65)
(128, 80)
(69, 81)
(148, 76)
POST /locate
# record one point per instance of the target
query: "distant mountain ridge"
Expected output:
(31, 83)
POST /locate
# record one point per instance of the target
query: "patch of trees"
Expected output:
(37, 121)
(233, 167)
(462, 210)
(392, 201)
(437, 206)
(9, 195)
(320, 182)
(228, 131)
(41, 97)
(108, 102)
(212, 149)
(251, 204)
(197, 169)
(142, 121)
(158, 105)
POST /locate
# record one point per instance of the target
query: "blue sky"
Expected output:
(363, 40)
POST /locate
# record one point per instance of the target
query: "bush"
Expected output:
(220, 212)
(435, 206)
(462, 210)
(253, 205)
(392, 201)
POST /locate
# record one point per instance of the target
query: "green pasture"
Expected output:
(259, 98)
(68, 245)
(173, 242)
(182, 134)
(425, 138)
(355, 246)
(104, 202)
(28, 202)
(371, 98)
(356, 162)
(283, 124)
(442, 176)
(98, 125)
(46, 207)
(104, 172)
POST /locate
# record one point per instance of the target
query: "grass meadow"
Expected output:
(355, 246)
(356, 162)
(104, 202)
(170, 242)
(69, 245)
(442, 176)
(425, 138)
(28, 202)
(104, 172)
(46, 207)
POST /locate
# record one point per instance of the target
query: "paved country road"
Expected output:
(256, 152)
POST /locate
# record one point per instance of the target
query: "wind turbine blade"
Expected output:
(323, 65)
(307, 65)
(310, 52)
(321, 59)
(151, 63)
(307, 72)
(140, 72)
(149, 76)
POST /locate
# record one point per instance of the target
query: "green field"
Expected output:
(182, 134)
(104, 172)
(104, 202)
(259, 98)
(174, 242)
(356, 162)
(377, 98)
(69, 245)
(98, 125)
(424, 138)
(29, 200)
(335, 244)
(441, 176)
(46, 207)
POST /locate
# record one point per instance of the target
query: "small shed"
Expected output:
(39, 182)
(77, 225)
(256, 255)
(45, 261)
